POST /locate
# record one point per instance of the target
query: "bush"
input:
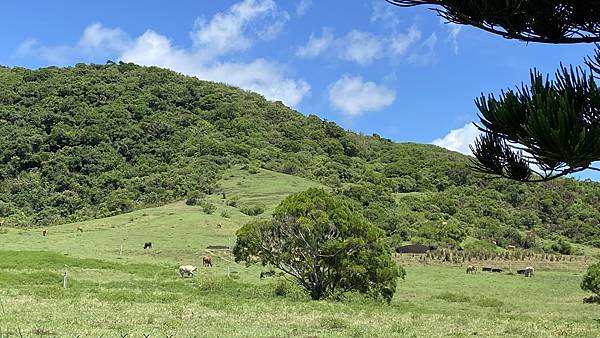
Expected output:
(253, 210)
(233, 201)
(225, 214)
(591, 281)
(194, 198)
(208, 208)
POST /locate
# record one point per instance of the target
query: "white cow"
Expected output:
(187, 269)
(529, 271)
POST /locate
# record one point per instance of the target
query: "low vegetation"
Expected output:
(591, 283)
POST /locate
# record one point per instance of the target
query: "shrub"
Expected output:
(591, 282)
(225, 214)
(233, 201)
(253, 210)
(208, 208)
(194, 198)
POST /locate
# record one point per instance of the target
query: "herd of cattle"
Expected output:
(184, 270)
(528, 271)
(188, 270)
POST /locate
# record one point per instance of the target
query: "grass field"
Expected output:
(113, 291)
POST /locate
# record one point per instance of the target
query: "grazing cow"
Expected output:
(148, 245)
(206, 260)
(529, 271)
(486, 268)
(80, 229)
(521, 271)
(45, 232)
(471, 269)
(187, 269)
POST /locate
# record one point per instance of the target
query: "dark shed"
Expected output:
(413, 248)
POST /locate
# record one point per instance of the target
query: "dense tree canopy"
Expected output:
(327, 247)
(548, 21)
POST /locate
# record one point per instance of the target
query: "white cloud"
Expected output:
(262, 76)
(153, 49)
(384, 12)
(453, 31)
(232, 30)
(365, 47)
(228, 31)
(316, 45)
(259, 76)
(459, 139)
(360, 47)
(352, 96)
(99, 39)
(57, 55)
(400, 43)
(303, 7)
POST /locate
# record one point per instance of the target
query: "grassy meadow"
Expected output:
(116, 287)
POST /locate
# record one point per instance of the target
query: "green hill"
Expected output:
(93, 141)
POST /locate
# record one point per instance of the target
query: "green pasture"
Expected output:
(117, 287)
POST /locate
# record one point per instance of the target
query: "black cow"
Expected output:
(496, 270)
(521, 272)
(487, 269)
(148, 245)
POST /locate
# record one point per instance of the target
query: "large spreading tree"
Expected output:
(325, 245)
(546, 129)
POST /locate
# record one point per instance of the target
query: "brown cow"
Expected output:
(206, 260)
(80, 229)
(45, 232)
(471, 269)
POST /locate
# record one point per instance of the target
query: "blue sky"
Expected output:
(371, 67)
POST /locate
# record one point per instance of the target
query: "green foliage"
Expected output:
(253, 210)
(208, 208)
(555, 121)
(326, 246)
(194, 198)
(591, 281)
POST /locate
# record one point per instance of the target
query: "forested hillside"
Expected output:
(96, 140)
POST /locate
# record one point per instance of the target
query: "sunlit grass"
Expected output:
(139, 292)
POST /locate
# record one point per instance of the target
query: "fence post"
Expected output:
(121, 250)
(65, 277)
